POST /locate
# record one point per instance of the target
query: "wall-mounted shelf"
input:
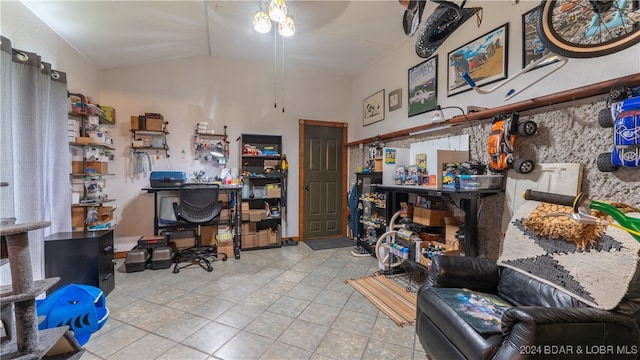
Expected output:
(582, 92)
(210, 147)
(91, 204)
(149, 140)
(90, 164)
(105, 146)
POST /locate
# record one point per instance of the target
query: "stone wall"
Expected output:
(567, 133)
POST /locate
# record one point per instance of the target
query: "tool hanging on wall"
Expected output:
(140, 162)
(284, 167)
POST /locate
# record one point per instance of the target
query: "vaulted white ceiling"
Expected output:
(338, 36)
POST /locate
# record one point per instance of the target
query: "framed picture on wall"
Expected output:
(373, 108)
(532, 48)
(423, 86)
(395, 99)
(484, 58)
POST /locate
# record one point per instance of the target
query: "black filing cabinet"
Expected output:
(83, 257)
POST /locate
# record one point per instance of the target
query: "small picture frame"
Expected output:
(373, 108)
(532, 48)
(395, 99)
(484, 59)
(422, 93)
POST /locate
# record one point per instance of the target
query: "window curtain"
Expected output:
(34, 151)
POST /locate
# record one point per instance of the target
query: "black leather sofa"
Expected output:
(543, 323)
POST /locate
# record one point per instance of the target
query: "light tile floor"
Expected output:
(285, 303)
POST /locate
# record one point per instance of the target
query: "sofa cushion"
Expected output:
(463, 336)
(482, 311)
(521, 289)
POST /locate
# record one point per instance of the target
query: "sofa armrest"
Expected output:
(534, 330)
(464, 272)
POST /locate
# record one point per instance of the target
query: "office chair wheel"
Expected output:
(224, 257)
(176, 270)
(209, 268)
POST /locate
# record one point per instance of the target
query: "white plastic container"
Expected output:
(480, 182)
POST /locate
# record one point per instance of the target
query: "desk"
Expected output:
(232, 190)
(468, 204)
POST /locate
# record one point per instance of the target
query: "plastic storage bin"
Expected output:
(480, 182)
(162, 257)
(167, 179)
(137, 260)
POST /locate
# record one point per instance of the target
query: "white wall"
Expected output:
(27, 32)
(235, 93)
(390, 72)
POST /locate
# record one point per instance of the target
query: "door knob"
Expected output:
(306, 187)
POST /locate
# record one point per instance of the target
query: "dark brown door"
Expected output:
(323, 200)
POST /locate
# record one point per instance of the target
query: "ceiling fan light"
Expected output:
(287, 27)
(277, 10)
(261, 22)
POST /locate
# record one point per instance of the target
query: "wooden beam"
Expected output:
(538, 102)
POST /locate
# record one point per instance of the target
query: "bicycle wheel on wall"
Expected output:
(589, 28)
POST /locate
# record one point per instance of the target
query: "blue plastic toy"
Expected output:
(623, 114)
(81, 307)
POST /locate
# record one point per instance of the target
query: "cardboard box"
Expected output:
(452, 225)
(435, 160)
(273, 237)
(263, 237)
(77, 217)
(406, 209)
(153, 124)
(273, 191)
(184, 243)
(249, 228)
(226, 249)
(448, 251)
(245, 211)
(224, 214)
(208, 235)
(430, 217)
(101, 167)
(84, 140)
(255, 215)
(135, 122)
(249, 241)
(224, 197)
(377, 165)
(182, 239)
(105, 213)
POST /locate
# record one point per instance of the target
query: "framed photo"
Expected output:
(484, 58)
(423, 86)
(532, 48)
(373, 108)
(395, 99)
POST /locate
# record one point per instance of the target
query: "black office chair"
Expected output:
(199, 205)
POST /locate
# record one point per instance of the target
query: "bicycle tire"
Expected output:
(437, 28)
(385, 257)
(557, 29)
